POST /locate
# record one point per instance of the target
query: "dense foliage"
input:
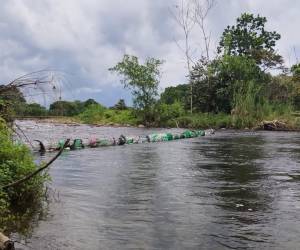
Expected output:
(176, 94)
(69, 108)
(237, 82)
(16, 162)
(250, 38)
(98, 114)
(142, 80)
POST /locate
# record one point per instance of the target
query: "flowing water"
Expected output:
(232, 190)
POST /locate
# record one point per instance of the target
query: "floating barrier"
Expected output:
(126, 140)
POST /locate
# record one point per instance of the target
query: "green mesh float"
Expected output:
(77, 144)
(61, 143)
(187, 134)
(103, 143)
(201, 133)
(193, 134)
(169, 136)
(129, 140)
(176, 137)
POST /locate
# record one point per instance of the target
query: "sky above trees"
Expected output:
(83, 38)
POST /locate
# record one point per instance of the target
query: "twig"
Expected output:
(26, 138)
(26, 178)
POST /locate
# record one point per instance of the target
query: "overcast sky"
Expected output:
(83, 38)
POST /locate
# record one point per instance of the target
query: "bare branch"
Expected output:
(201, 11)
(183, 15)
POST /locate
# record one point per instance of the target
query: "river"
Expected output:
(231, 190)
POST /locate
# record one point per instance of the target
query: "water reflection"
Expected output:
(229, 191)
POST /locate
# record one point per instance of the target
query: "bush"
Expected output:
(251, 108)
(166, 114)
(205, 120)
(97, 114)
(34, 109)
(16, 162)
(92, 114)
(120, 117)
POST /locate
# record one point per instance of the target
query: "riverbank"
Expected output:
(18, 203)
(284, 122)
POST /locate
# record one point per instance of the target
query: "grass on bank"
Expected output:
(252, 108)
(249, 112)
(97, 114)
(168, 118)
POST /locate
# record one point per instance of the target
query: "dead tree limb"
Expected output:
(201, 11)
(183, 15)
(6, 243)
(26, 178)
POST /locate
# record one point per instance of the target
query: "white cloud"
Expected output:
(85, 37)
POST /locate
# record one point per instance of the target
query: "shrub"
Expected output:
(166, 114)
(16, 162)
(92, 114)
(95, 114)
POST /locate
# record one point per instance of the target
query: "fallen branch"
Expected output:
(6, 243)
(274, 125)
(26, 178)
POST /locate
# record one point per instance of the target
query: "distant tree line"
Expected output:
(18, 107)
(239, 81)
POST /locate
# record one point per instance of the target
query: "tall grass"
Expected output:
(204, 120)
(251, 108)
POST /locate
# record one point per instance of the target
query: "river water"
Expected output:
(231, 190)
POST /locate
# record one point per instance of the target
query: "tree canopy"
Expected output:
(141, 79)
(250, 38)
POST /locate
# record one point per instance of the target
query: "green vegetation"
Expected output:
(242, 86)
(16, 162)
(142, 80)
(97, 114)
(250, 39)
(237, 88)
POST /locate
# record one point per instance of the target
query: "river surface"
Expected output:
(231, 190)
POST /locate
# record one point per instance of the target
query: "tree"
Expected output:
(201, 11)
(34, 109)
(89, 102)
(216, 82)
(183, 15)
(295, 70)
(142, 80)
(168, 113)
(249, 38)
(120, 105)
(64, 108)
(12, 100)
(187, 14)
(179, 93)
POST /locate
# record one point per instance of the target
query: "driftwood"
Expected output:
(26, 178)
(274, 125)
(6, 243)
